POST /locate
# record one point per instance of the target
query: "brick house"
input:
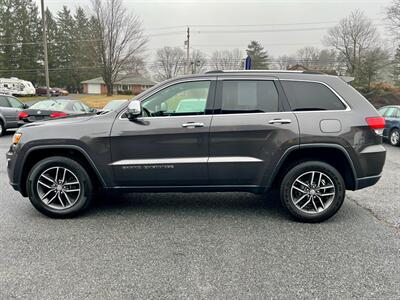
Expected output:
(298, 67)
(134, 84)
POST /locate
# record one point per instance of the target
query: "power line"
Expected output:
(249, 25)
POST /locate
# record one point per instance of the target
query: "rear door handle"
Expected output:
(280, 121)
(192, 125)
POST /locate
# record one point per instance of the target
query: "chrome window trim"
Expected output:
(348, 108)
(227, 77)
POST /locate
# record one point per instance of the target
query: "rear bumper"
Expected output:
(371, 162)
(367, 181)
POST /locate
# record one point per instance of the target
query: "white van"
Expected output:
(17, 87)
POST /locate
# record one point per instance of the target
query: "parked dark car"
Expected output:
(391, 133)
(310, 136)
(61, 92)
(42, 91)
(10, 107)
(52, 109)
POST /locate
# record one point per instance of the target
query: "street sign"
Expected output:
(247, 63)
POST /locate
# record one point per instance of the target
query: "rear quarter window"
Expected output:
(311, 96)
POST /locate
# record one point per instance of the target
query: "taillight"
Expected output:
(23, 115)
(58, 115)
(376, 123)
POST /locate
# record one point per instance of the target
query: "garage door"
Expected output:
(94, 89)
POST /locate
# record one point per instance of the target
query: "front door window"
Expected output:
(182, 99)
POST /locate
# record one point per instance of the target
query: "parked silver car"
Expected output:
(10, 107)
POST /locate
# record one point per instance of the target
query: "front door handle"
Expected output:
(192, 125)
(280, 121)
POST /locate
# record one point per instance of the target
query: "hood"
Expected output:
(61, 121)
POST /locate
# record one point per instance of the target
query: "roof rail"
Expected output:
(266, 71)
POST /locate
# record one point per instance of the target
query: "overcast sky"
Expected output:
(229, 24)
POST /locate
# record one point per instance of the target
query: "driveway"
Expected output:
(221, 245)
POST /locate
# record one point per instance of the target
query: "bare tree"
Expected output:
(226, 60)
(198, 62)
(352, 37)
(169, 63)
(284, 62)
(119, 39)
(327, 60)
(308, 57)
(393, 17)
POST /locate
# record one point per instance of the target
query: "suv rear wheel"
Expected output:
(59, 187)
(312, 191)
(394, 137)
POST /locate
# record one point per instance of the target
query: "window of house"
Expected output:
(249, 96)
(311, 96)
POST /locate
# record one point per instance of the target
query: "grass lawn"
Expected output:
(98, 101)
(94, 101)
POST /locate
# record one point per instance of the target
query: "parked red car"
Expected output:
(42, 91)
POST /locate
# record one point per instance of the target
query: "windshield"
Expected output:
(50, 105)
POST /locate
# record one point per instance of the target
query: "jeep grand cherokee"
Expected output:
(311, 136)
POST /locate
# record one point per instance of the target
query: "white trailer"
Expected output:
(17, 87)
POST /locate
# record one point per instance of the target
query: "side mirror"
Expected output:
(134, 109)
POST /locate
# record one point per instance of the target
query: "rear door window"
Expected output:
(249, 96)
(311, 96)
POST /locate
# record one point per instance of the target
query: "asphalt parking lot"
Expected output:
(232, 245)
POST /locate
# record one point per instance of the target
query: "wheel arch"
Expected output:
(335, 155)
(37, 153)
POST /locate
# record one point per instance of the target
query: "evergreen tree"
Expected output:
(85, 65)
(259, 57)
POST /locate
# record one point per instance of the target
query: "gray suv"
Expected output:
(309, 136)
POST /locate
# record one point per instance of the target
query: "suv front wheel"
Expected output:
(59, 187)
(312, 191)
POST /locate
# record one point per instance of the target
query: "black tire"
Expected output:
(2, 128)
(392, 140)
(85, 185)
(335, 202)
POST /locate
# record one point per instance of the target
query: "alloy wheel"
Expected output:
(395, 137)
(58, 188)
(313, 192)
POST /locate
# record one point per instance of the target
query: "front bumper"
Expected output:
(10, 156)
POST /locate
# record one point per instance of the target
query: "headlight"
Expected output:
(17, 136)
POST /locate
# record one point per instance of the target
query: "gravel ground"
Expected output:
(383, 199)
(221, 245)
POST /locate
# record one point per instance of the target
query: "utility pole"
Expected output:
(46, 61)
(187, 51)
